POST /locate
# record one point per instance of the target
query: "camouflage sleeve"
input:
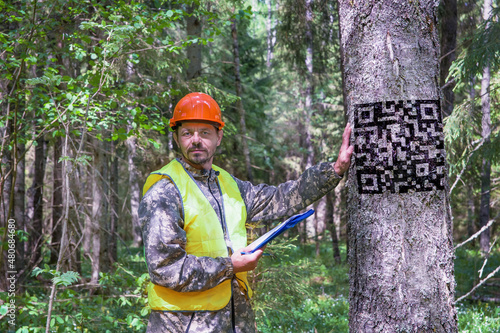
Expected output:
(165, 241)
(265, 202)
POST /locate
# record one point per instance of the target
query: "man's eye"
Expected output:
(186, 134)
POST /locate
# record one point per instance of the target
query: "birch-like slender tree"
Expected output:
(400, 229)
(484, 209)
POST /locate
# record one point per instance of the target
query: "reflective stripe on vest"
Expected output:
(205, 237)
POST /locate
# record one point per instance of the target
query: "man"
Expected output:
(193, 215)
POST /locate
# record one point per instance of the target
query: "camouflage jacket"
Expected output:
(160, 214)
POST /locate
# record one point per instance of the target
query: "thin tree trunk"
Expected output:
(471, 207)
(97, 212)
(57, 201)
(449, 23)
(309, 85)
(20, 204)
(484, 210)
(309, 91)
(239, 102)
(400, 230)
(114, 205)
(271, 34)
(105, 222)
(135, 193)
(6, 179)
(320, 217)
(193, 29)
(330, 222)
(36, 203)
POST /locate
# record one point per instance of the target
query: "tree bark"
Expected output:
(330, 212)
(20, 203)
(239, 102)
(97, 212)
(57, 201)
(193, 30)
(400, 230)
(271, 34)
(484, 209)
(135, 192)
(449, 23)
(105, 222)
(36, 203)
(114, 206)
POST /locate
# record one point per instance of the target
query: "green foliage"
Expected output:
(468, 263)
(296, 292)
(116, 304)
(479, 318)
(58, 278)
(484, 49)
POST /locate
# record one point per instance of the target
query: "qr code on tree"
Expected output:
(399, 146)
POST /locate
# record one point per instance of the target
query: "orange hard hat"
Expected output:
(197, 106)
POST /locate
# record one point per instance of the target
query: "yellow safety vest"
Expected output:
(205, 237)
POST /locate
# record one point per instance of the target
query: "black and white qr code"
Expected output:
(399, 146)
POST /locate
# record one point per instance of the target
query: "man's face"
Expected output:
(198, 142)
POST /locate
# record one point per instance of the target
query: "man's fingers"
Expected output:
(346, 136)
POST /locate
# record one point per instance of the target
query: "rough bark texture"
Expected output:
(400, 238)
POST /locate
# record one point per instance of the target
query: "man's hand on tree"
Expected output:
(344, 158)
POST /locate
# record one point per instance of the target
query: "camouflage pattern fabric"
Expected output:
(160, 214)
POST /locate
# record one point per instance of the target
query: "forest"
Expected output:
(87, 89)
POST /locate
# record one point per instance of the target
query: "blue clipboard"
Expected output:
(278, 230)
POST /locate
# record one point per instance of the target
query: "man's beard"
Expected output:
(198, 159)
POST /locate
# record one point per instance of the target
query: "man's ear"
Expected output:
(220, 134)
(174, 134)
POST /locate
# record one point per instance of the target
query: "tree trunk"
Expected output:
(271, 34)
(309, 85)
(20, 204)
(239, 102)
(400, 230)
(330, 212)
(135, 192)
(193, 30)
(114, 206)
(105, 222)
(57, 202)
(97, 212)
(449, 23)
(484, 209)
(36, 204)
(6, 179)
(320, 217)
